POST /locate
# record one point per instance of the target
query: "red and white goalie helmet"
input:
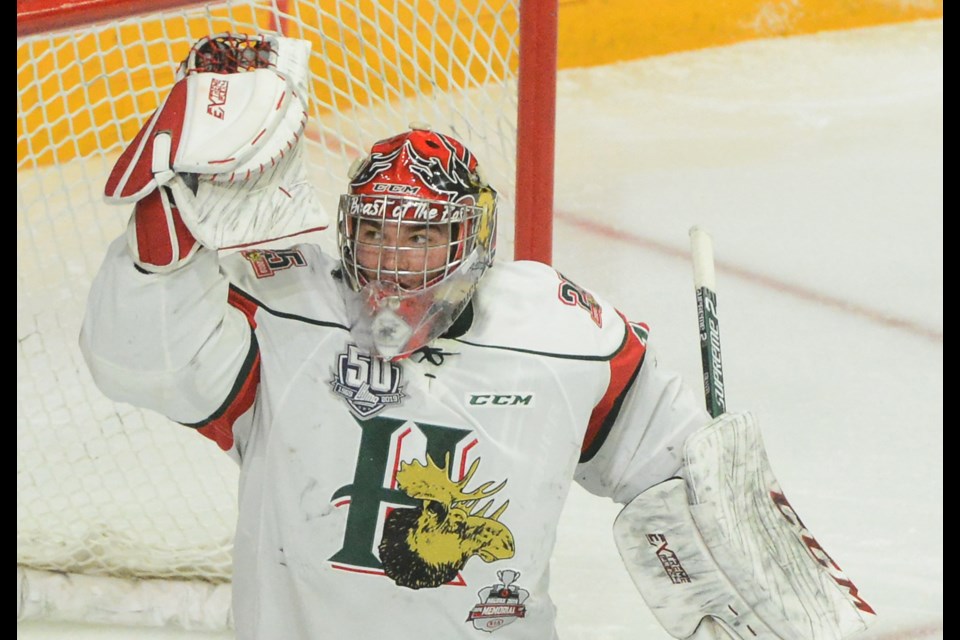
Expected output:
(416, 232)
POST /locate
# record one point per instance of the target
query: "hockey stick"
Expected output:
(704, 279)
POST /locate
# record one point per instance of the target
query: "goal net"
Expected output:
(122, 516)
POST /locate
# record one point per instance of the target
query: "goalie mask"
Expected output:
(416, 233)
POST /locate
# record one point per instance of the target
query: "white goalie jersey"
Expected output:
(407, 499)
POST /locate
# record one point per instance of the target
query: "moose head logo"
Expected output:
(427, 545)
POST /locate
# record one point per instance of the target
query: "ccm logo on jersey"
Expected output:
(500, 399)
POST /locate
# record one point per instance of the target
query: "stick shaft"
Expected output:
(704, 278)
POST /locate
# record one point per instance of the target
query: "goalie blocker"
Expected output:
(721, 554)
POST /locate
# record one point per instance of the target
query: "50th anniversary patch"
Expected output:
(367, 384)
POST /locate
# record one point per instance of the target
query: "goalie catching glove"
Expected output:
(220, 162)
(720, 553)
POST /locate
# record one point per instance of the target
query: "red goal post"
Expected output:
(117, 506)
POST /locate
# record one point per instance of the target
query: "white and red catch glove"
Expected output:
(226, 147)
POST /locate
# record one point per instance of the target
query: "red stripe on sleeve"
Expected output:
(623, 367)
(220, 430)
(244, 304)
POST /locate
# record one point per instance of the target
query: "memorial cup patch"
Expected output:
(500, 604)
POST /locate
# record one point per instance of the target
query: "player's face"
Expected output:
(410, 255)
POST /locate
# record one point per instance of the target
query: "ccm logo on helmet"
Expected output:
(501, 399)
(401, 189)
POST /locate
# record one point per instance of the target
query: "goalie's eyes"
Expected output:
(368, 234)
(424, 239)
(419, 236)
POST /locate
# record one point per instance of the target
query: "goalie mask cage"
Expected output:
(122, 516)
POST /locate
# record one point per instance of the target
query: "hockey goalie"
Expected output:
(408, 415)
